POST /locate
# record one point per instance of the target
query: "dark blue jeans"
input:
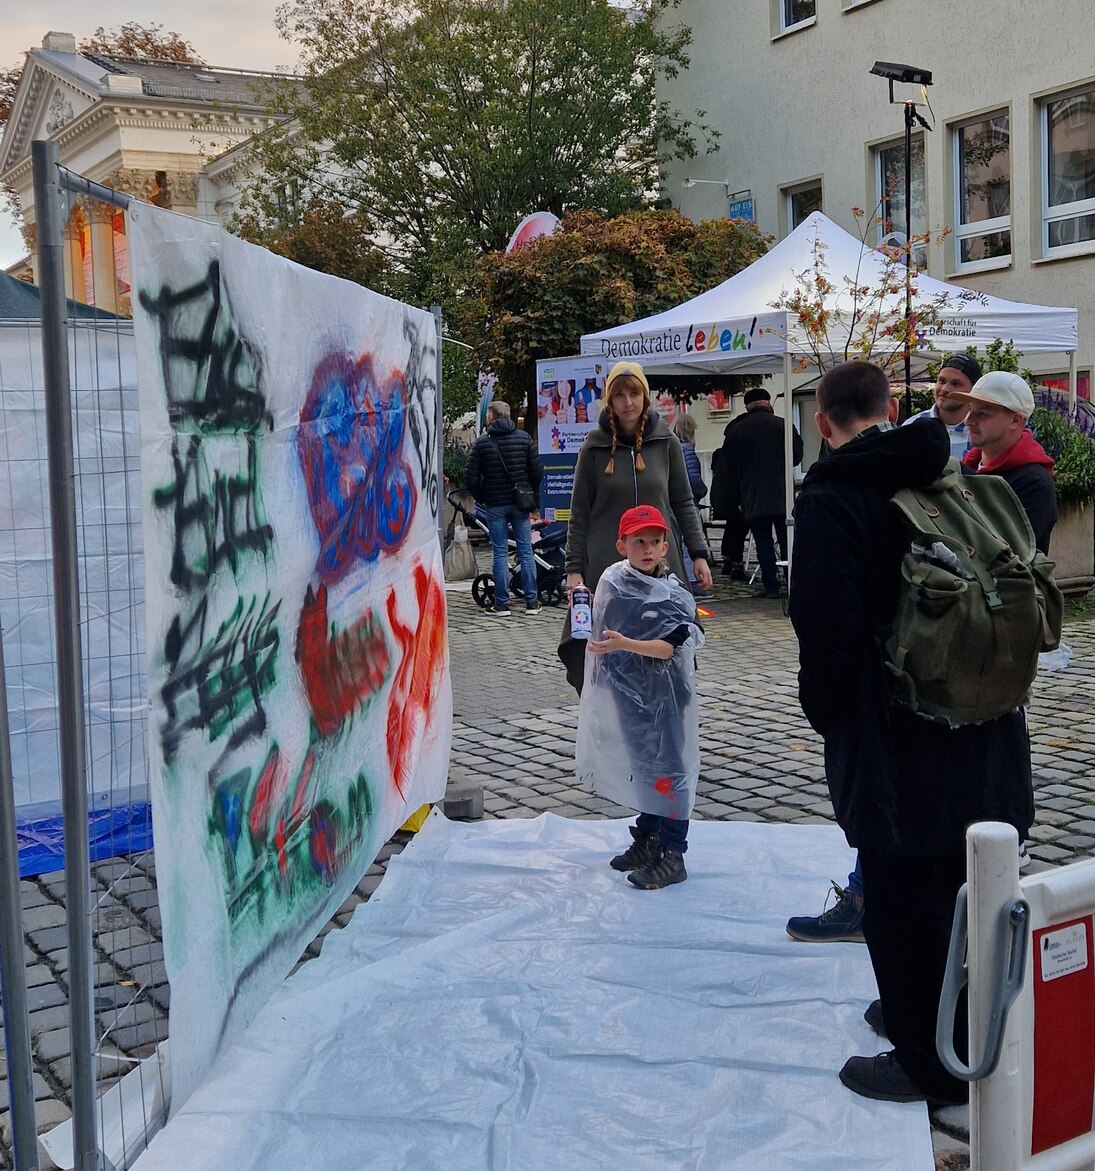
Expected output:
(672, 832)
(761, 527)
(499, 521)
(855, 879)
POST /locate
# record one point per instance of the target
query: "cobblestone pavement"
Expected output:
(513, 734)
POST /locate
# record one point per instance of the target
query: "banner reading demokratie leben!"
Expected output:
(297, 653)
(656, 344)
(569, 400)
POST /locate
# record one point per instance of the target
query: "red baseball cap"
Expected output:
(646, 516)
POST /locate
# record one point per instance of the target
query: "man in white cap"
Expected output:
(1000, 404)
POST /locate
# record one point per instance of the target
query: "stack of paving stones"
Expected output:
(513, 737)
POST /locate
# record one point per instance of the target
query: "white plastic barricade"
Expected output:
(1025, 947)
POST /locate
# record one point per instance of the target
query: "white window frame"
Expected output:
(978, 227)
(920, 257)
(794, 189)
(1060, 211)
(785, 25)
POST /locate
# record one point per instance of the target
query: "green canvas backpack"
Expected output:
(977, 603)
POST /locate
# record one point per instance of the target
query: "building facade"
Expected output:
(164, 132)
(1008, 166)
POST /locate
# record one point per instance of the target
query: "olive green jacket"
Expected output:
(598, 501)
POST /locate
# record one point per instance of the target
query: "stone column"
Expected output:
(74, 261)
(101, 220)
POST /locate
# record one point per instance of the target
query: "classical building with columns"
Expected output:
(165, 132)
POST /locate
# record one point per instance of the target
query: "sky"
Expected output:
(239, 34)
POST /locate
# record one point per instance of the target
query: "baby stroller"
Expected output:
(549, 539)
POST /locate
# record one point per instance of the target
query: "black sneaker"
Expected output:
(883, 1079)
(497, 611)
(644, 849)
(873, 1017)
(535, 608)
(666, 871)
(841, 923)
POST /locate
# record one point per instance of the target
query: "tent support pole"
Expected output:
(70, 680)
(788, 456)
(1072, 391)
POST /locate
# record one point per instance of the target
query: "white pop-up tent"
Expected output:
(733, 328)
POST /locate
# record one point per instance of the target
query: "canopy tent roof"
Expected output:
(733, 328)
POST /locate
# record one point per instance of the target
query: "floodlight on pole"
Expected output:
(907, 75)
(690, 182)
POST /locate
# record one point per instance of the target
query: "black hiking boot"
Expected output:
(644, 849)
(667, 870)
(874, 1018)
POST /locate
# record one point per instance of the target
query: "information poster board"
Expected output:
(569, 400)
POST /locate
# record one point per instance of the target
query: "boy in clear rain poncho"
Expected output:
(638, 722)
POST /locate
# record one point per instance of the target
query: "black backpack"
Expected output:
(977, 605)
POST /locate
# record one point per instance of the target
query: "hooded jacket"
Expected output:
(900, 784)
(599, 500)
(486, 478)
(1027, 469)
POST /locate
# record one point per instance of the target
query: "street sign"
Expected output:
(740, 207)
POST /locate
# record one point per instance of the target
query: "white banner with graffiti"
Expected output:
(298, 662)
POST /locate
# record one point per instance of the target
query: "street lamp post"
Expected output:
(909, 74)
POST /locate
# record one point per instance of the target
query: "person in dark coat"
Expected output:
(498, 459)
(725, 506)
(752, 456)
(1000, 404)
(684, 427)
(904, 789)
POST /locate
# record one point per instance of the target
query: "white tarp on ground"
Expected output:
(742, 334)
(506, 1002)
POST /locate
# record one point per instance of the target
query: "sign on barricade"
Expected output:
(1025, 946)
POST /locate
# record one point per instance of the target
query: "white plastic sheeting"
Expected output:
(505, 1001)
(108, 520)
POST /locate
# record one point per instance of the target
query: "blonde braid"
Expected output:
(640, 466)
(610, 467)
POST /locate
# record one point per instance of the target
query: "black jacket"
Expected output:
(1033, 484)
(486, 478)
(752, 457)
(899, 783)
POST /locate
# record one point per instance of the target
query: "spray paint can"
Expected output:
(581, 613)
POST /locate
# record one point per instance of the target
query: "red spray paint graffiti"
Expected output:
(341, 669)
(414, 689)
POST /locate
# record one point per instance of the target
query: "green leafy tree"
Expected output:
(447, 121)
(9, 83)
(133, 39)
(592, 273)
(324, 237)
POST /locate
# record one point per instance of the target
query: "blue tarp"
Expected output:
(125, 829)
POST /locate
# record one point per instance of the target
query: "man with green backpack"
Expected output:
(920, 605)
